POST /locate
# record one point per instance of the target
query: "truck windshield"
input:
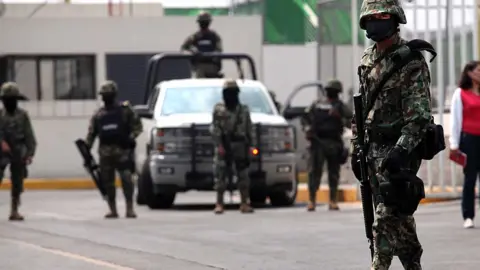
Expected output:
(202, 99)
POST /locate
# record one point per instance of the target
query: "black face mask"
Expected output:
(231, 99)
(380, 30)
(203, 25)
(10, 104)
(332, 93)
(108, 100)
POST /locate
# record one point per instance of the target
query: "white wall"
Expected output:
(62, 10)
(287, 66)
(122, 35)
(58, 123)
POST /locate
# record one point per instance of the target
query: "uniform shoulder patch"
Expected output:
(126, 103)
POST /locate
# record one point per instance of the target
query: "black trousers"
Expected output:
(470, 145)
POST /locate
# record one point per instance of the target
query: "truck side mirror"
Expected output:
(143, 111)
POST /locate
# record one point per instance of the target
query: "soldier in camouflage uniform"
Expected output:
(204, 40)
(18, 143)
(395, 126)
(323, 123)
(231, 120)
(117, 127)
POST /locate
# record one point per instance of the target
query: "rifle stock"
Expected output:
(91, 165)
(365, 188)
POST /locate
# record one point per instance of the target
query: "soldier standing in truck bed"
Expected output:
(205, 40)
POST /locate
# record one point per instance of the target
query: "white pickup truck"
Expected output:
(179, 146)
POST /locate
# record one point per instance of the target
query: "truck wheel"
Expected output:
(258, 197)
(285, 197)
(154, 201)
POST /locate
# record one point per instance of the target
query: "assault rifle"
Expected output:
(91, 166)
(228, 156)
(365, 188)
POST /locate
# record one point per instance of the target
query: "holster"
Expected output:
(403, 191)
(433, 142)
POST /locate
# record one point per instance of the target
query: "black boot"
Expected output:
(130, 213)
(14, 214)
(112, 205)
(219, 206)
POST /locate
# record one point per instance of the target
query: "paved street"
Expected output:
(66, 230)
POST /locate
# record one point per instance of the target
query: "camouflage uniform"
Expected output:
(115, 156)
(237, 124)
(201, 41)
(16, 130)
(323, 147)
(397, 123)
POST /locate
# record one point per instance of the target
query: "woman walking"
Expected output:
(465, 134)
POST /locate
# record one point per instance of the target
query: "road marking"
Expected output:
(70, 255)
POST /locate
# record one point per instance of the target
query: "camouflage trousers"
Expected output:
(18, 171)
(221, 179)
(395, 235)
(205, 70)
(321, 152)
(117, 162)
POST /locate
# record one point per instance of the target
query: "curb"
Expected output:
(349, 195)
(55, 184)
(346, 193)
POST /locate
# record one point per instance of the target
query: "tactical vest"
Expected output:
(327, 120)
(205, 42)
(112, 127)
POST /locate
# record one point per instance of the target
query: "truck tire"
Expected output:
(258, 197)
(285, 197)
(154, 201)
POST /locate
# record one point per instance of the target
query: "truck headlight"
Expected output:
(282, 138)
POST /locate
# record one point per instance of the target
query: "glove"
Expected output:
(395, 159)
(356, 166)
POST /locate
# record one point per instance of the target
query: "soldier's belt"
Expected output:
(238, 139)
(382, 137)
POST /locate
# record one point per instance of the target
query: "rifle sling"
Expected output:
(414, 49)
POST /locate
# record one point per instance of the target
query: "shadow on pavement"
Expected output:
(228, 206)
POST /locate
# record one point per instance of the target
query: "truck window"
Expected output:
(202, 99)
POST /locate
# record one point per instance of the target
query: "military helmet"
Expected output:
(10, 89)
(372, 7)
(108, 87)
(334, 84)
(230, 85)
(204, 16)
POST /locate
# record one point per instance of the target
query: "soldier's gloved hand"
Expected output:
(395, 159)
(28, 160)
(5, 147)
(356, 166)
